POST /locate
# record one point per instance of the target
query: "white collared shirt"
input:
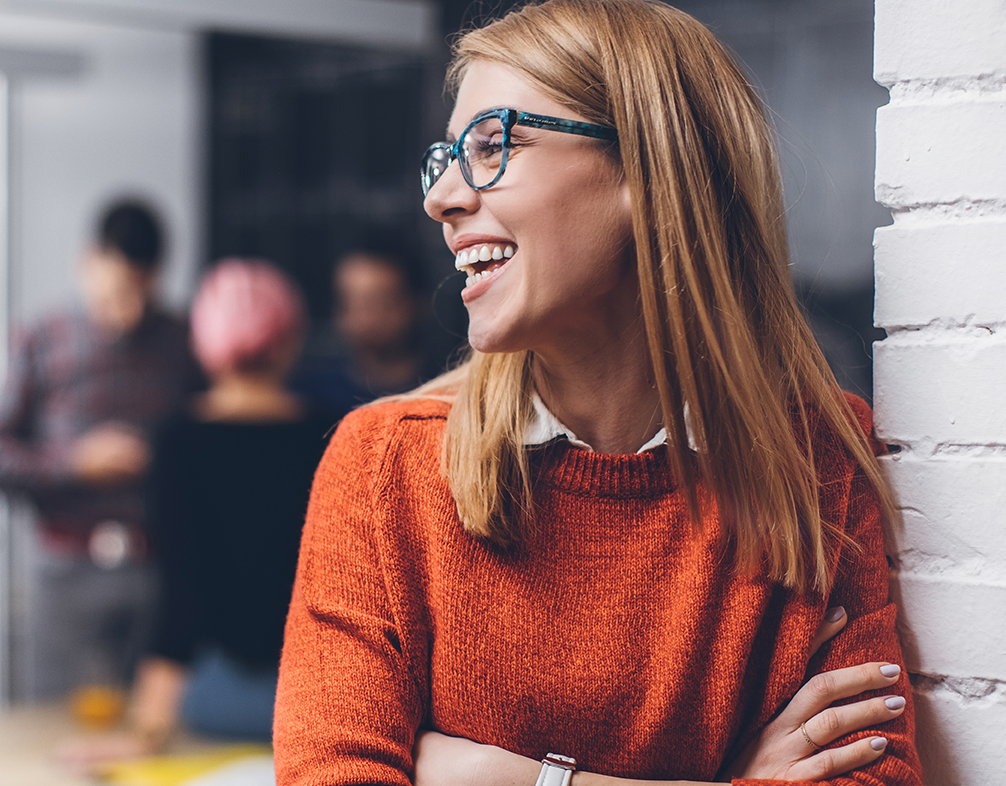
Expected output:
(544, 427)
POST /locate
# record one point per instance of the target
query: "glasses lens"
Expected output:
(435, 163)
(481, 152)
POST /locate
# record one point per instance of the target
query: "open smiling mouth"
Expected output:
(480, 261)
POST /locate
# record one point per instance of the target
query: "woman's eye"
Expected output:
(489, 145)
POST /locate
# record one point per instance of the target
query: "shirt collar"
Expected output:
(544, 427)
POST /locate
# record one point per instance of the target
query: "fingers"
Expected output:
(788, 748)
(834, 620)
(830, 686)
(837, 761)
(89, 755)
(835, 722)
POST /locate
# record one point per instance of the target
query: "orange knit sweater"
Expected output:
(613, 634)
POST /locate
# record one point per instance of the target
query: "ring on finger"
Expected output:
(806, 736)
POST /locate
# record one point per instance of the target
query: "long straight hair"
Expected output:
(726, 338)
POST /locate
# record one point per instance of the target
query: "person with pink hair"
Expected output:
(230, 483)
(248, 322)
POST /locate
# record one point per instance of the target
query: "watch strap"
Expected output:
(556, 770)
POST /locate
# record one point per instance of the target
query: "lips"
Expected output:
(481, 260)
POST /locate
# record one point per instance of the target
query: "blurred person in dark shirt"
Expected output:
(377, 330)
(229, 486)
(84, 390)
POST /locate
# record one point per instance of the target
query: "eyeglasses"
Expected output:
(483, 147)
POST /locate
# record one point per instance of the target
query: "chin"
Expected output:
(480, 344)
(491, 341)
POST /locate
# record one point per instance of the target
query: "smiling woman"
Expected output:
(626, 527)
(570, 276)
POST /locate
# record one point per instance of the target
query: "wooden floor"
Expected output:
(29, 734)
(27, 738)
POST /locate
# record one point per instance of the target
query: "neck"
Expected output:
(604, 394)
(247, 396)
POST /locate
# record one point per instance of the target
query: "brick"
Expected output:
(935, 388)
(929, 39)
(951, 626)
(941, 153)
(950, 271)
(954, 514)
(959, 742)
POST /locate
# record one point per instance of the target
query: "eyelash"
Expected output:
(486, 146)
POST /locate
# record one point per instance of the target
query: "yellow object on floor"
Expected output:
(98, 706)
(175, 770)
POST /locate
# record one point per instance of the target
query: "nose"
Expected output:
(450, 196)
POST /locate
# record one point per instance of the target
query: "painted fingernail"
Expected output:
(878, 743)
(895, 702)
(835, 614)
(890, 670)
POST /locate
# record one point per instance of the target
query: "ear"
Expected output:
(626, 196)
(623, 204)
(86, 255)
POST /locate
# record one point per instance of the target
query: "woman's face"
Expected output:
(562, 208)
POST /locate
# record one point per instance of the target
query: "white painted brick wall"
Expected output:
(953, 160)
(933, 539)
(972, 753)
(935, 39)
(941, 373)
(940, 272)
(941, 388)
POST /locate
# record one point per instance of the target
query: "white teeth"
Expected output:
(467, 258)
(474, 278)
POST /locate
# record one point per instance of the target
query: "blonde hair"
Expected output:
(726, 337)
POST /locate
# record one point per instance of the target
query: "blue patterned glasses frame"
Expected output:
(483, 147)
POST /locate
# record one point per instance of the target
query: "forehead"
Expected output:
(491, 86)
(368, 272)
(112, 266)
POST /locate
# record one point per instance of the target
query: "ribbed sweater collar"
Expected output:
(583, 472)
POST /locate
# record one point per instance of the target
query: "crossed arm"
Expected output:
(789, 748)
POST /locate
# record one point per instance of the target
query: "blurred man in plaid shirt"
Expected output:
(83, 391)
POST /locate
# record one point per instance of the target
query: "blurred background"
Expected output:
(292, 132)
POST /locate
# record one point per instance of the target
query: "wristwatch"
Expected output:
(556, 770)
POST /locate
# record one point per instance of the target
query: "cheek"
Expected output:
(590, 234)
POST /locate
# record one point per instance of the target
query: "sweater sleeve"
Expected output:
(347, 706)
(861, 586)
(28, 463)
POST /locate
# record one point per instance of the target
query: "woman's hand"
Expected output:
(789, 748)
(156, 697)
(89, 755)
